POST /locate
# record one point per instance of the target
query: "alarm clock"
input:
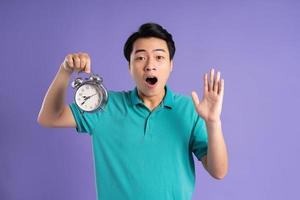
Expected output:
(90, 93)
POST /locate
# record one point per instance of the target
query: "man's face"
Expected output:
(150, 65)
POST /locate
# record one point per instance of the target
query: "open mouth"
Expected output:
(151, 80)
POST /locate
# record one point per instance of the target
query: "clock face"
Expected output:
(88, 97)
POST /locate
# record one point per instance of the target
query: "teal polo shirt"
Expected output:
(141, 154)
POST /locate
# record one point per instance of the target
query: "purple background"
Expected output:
(254, 43)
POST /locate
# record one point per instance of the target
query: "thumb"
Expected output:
(195, 98)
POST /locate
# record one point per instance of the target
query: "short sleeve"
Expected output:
(85, 121)
(199, 140)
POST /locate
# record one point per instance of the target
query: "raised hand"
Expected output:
(77, 62)
(210, 107)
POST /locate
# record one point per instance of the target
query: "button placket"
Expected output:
(147, 127)
(149, 120)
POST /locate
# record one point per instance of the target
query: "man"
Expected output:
(144, 139)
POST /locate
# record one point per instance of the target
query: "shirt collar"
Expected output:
(168, 100)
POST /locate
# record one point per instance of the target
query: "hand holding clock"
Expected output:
(84, 87)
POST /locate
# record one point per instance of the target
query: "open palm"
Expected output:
(210, 107)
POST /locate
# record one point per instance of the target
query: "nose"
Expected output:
(150, 68)
(150, 65)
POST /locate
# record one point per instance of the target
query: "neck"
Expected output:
(151, 102)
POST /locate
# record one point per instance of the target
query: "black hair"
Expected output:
(148, 30)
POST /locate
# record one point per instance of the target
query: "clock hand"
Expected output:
(86, 98)
(92, 95)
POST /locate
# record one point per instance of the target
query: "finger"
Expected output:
(195, 98)
(82, 58)
(221, 88)
(69, 61)
(216, 82)
(205, 83)
(76, 60)
(88, 65)
(87, 68)
(211, 81)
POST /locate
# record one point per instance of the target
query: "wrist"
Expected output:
(65, 69)
(213, 123)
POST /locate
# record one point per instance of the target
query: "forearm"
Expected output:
(217, 161)
(54, 100)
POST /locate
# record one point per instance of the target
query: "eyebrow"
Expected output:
(143, 50)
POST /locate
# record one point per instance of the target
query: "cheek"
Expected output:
(132, 69)
(167, 70)
(164, 76)
(135, 73)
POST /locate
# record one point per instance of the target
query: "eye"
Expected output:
(140, 58)
(160, 57)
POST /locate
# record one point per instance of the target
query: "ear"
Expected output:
(129, 68)
(171, 66)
